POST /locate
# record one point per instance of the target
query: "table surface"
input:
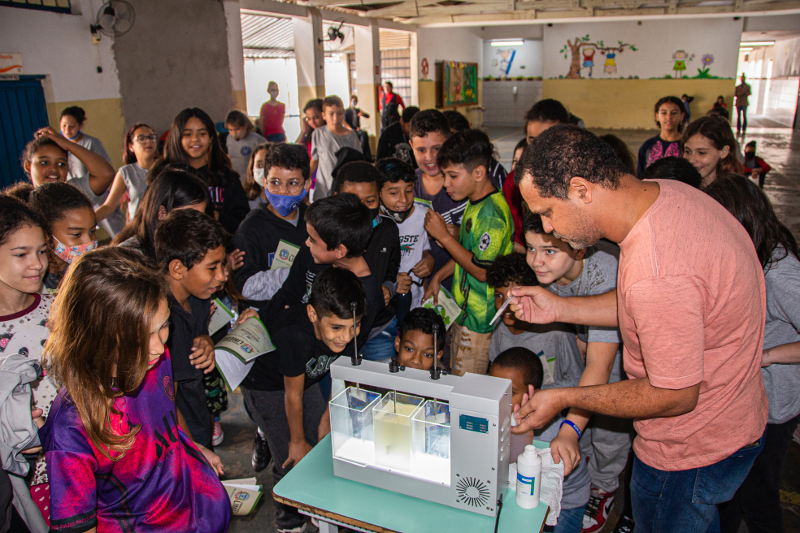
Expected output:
(311, 486)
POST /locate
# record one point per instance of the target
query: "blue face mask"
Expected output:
(284, 205)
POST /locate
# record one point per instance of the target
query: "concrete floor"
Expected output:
(780, 147)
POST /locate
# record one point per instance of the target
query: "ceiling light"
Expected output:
(745, 49)
(757, 43)
(516, 42)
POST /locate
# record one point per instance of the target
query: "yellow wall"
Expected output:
(103, 120)
(240, 100)
(427, 94)
(620, 104)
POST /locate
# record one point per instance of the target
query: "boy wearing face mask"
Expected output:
(283, 177)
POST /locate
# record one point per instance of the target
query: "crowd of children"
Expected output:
(329, 250)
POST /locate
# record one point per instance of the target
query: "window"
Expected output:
(396, 68)
(59, 6)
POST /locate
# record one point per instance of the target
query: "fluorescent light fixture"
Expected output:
(757, 43)
(513, 42)
(748, 49)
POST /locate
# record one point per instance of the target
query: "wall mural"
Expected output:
(583, 52)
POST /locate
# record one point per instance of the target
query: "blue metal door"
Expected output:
(22, 112)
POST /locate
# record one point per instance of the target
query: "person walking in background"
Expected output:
(742, 93)
(389, 103)
(687, 115)
(352, 115)
(271, 116)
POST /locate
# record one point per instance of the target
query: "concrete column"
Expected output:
(310, 57)
(235, 53)
(368, 73)
(415, 67)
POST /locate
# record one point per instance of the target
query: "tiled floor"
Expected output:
(780, 147)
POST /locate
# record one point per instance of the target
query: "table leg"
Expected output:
(327, 527)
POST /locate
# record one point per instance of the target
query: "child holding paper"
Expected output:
(485, 233)
(118, 453)
(282, 390)
(282, 170)
(190, 249)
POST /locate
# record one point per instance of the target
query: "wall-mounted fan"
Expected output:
(334, 33)
(114, 18)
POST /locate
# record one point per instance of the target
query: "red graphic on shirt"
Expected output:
(168, 389)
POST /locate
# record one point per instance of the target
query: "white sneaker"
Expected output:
(218, 435)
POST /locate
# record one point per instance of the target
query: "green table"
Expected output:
(311, 487)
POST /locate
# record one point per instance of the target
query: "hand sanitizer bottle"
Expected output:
(529, 472)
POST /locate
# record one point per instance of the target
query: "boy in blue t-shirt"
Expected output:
(485, 233)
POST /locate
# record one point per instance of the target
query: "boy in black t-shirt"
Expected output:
(282, 390)
(190, 248)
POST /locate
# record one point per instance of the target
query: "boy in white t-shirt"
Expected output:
(397, 179)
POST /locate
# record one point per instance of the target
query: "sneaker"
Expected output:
(261, 454)
(625, 525)
(300, 529)
(216, 438)
(596, 514)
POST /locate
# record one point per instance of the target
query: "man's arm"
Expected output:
(633, 398)
(537, 305)
(298, 446)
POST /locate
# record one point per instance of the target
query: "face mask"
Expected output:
(284, 204)
(258, 175)
(373, 213)
(68, 254)
(76, 136)
(398, 216)
(749, 155)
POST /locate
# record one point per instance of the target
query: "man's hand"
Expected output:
(424, 268)
(236, 259)
(212, 458)
(297, 450)
(565, 446)
(403, 283)
(436, 226)
(536, 409)
(535, 305)
(202, 356)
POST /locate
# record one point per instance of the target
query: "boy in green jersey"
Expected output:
(486, 230)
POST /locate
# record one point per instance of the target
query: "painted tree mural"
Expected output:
(576, 49)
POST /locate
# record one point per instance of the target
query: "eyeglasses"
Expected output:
(141, 139)
(275, 186)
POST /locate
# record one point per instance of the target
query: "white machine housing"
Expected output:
(480, 423)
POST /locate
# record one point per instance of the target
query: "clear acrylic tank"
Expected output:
(431, 442)
(352, 432)
(392, 420)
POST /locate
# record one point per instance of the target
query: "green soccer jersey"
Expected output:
(486, 229)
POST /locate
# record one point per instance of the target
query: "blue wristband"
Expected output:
(571, 424)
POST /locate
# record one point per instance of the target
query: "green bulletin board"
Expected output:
(460, 83)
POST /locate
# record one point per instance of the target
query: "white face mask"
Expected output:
(258, 175)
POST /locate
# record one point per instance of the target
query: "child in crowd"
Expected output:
(485, 233)
(45, 160)
(566, 271)
(758, 500)
(190, 249)
(172, 189)
(23, 311)
(709, 145)
(271, 116)
(393, 141)
(458, 122)
(339, 229)
(514, 197)
(282, 390)
(673, 168)
(114, 428)
(312, 119)
(543, 115)
(414, 342)
(71, 124)
(669, 117)
(428, 132)
(241, 141)
(757, 167)
(525, 371)
(397, 181)
(139, 153)
(518, 150)
(253, 188)
(193, 145)
(325, 142)
(282, 170)
(621, 149)
(68, 217)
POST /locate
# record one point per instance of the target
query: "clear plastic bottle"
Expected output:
(529, 473)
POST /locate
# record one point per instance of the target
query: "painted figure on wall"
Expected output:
(505, 61)
(610, 65)
(584, 48)
(680, 57)
(588, 59)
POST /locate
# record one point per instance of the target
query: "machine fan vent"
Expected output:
(473, 492)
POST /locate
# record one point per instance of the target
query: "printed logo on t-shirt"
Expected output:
(317, 367)
(5, 338)
(486, 240)
(170, 435)
(407, 243)
(246, 151)
(168, 389)
(469, 225)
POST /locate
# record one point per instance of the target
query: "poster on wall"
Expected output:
(10, 63)
(460, 85)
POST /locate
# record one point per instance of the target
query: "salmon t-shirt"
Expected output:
(692, 307)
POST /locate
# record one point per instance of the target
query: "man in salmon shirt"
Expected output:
(690, 304)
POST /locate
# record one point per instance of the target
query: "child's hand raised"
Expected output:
(236, 259)
(436, 226)
(202, 356)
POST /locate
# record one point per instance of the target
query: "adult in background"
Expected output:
(352, 115)
(394, 138)
(690, 305)
(742, 95)
(389, 104)
(271, 116)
